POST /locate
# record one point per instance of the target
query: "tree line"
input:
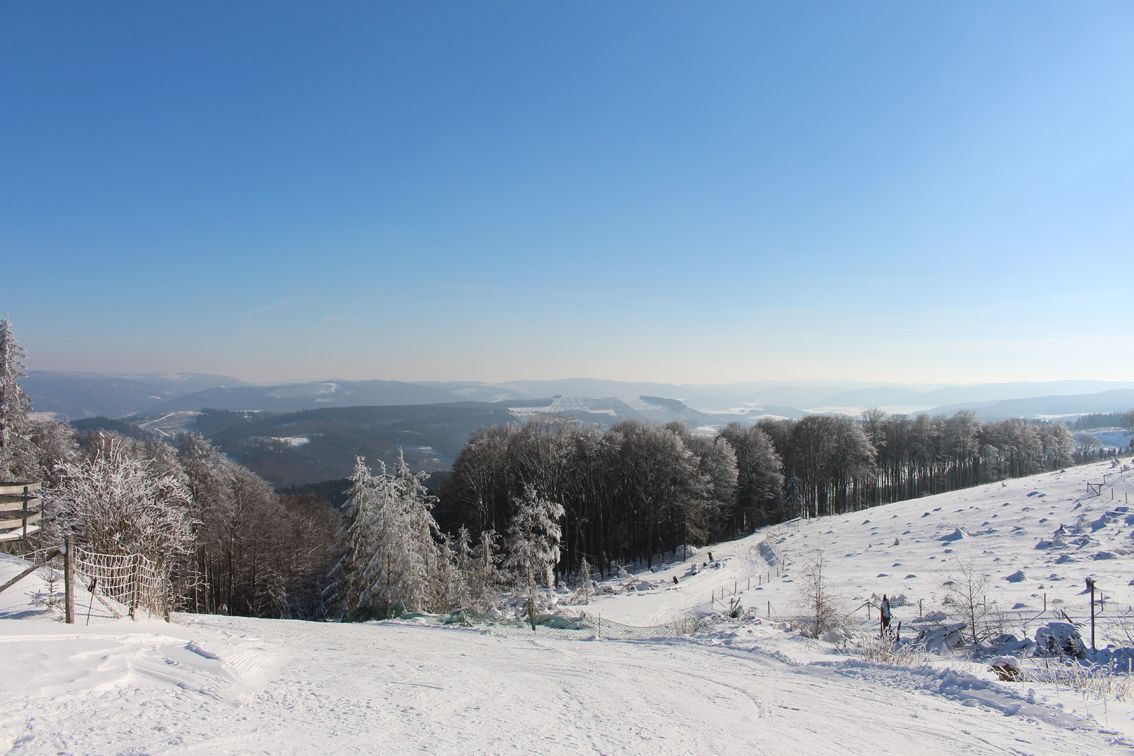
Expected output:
(634, 491)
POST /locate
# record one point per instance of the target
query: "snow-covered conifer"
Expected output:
(585, 587)
(357, 539)
(17, 453)
(533, 543)
(484, 577)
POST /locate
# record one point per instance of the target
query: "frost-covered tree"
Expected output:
(483, 574)
(793, 498)
(390, 559)
(821, 609)
(585, 587)
(533, 544)
(968, 595)
(759, 476)
(358, 537)
(409, 537)
(17, 453)
(1058, 445)
(114, 502)
(451, 588)
(55, 444)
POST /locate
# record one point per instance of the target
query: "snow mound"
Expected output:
(957, 535)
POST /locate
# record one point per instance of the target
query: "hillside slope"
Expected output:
(1035, 538)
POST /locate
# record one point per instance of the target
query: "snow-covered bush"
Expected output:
(968, 597)
(821, 611)
(1060, 639)
(1007, 668)
(116, 503)
(940, 636)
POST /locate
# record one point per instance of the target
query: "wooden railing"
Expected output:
(20, 509)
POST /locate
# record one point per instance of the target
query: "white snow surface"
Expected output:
(209, 684)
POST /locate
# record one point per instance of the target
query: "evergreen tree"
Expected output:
(18, 459)
(533, 544)
(793, 498)
(484, 578)
(358, 541)
(585, 585)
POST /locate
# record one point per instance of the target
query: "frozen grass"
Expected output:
(1098, 681)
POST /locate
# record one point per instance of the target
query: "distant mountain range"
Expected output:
(80, 395)
(309, 432)
(1115, 400)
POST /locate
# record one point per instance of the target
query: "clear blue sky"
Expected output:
(702, 192)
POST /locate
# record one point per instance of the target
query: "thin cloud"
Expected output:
(281, 305)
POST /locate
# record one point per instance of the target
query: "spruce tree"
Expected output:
(533, 543)
(17, 452)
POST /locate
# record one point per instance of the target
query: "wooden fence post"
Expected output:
(69, 578)
(136, 594)
(26, 496)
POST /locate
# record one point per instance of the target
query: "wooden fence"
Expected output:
(20, 510)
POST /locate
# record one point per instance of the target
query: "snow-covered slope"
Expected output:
(1035, 538)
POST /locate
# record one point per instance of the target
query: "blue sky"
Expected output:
(700, 192)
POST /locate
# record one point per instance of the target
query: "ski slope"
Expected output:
(207, 684)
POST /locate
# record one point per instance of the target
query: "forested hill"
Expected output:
(310, 446)
(318, 445)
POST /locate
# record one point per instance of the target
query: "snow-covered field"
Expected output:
(218, 684)
(1034, 537)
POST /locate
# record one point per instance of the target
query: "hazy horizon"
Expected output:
(885, 193)
(764, 383)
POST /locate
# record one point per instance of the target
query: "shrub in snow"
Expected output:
(821, 611)
(968, 592)
(1060, 639)
(942, 637)
(1007, 668)
(118, 503)
(887, 651)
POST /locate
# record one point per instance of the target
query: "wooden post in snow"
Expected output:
(69, 578)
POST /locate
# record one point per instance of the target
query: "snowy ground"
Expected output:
(237, 685)
(217, 684)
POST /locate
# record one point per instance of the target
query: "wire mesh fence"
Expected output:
(130, 581)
